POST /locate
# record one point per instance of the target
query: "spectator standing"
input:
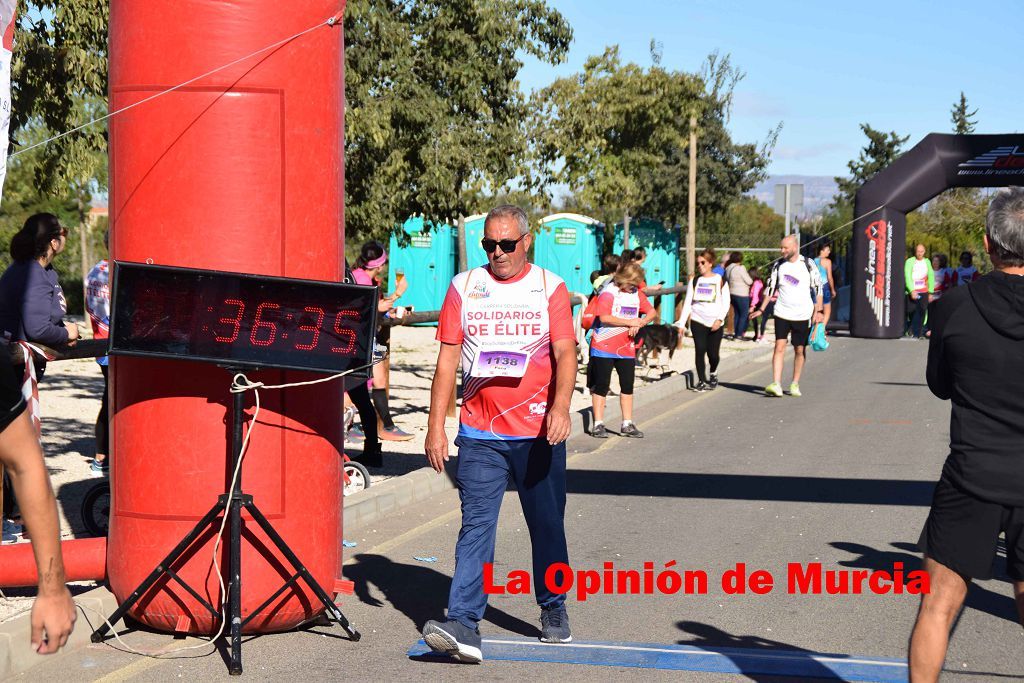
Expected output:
(609, 264)
(369, 265)
(965, 273)
(97, 305)
(739, 282)
(719, 268)
(976, 360)
(828, 284)
(705, 308)
(919, 280)
(32, 309)
(756, 297)
(796, 282)
(622, 309)
(520, 371)
(943, 275)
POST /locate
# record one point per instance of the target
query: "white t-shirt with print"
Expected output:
(794, 302)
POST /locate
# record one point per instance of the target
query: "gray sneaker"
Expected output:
(599, 431)
(454, 639)
(631, 430)
(554, 625)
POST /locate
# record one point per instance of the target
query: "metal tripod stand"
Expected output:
(233, 503)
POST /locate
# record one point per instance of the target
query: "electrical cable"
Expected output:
(330, 22)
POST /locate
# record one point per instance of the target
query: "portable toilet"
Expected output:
(569, 245)
(428, 262)
(475, 255)
(662, 263)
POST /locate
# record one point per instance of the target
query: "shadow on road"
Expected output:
(978, 597)
(752, 487)
(738, 650)
(747, 388)
(418, 592)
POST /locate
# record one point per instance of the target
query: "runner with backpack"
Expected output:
(797, 281)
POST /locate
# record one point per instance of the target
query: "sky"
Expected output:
(821, 68)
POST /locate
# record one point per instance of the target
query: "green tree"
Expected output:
(881, 150)
(435, 115)
(962, 119)
(955, 220)
(604, 132)
(59, 82)
(617, 135)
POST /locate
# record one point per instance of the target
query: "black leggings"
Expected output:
(102, 426)
(600, 374)
(360, 396)
(761, 323)
(707, 343)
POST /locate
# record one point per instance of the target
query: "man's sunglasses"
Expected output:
(507, 246)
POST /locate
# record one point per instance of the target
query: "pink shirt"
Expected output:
(756, 291)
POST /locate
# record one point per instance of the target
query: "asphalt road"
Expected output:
(842, 476)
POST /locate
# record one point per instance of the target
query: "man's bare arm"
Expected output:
(441, 389)
(53, 613)
(559, 425)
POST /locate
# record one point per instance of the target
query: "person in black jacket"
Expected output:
(976, 361)
(32, 304)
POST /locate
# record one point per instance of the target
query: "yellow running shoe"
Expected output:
(773, 389)
(794, 390)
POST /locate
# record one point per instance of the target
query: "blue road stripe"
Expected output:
(693, 658)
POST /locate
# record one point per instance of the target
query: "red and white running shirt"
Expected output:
(614, 341)
(506, 329)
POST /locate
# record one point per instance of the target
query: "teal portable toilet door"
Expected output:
(662, 263)
(428, 263)
(475, 254)
(569, 245)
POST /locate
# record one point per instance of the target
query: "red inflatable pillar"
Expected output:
(84, 560)
(240, 170)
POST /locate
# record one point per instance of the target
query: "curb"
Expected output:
(366, 507)
(17, 657)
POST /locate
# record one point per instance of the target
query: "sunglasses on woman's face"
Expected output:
(701, 262)
(507, 246)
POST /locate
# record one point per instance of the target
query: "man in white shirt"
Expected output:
(798, 283)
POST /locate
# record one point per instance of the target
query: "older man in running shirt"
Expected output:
(511, 324)
(798, 283)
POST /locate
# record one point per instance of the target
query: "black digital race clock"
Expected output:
(237, 319)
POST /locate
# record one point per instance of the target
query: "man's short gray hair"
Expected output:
(510, 211)
(1005, 226)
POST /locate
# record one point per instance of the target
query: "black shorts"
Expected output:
(11, 402)
(599, 374)
(797, 330)
(962, 531)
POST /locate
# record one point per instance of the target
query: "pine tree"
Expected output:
(882, 149)
(963, 120)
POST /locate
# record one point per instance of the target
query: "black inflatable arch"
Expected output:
(937, 163)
